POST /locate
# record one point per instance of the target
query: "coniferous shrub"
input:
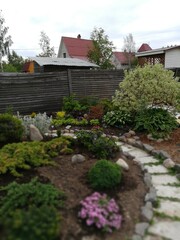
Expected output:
(11, 129)
(30, 211)
(104, 175)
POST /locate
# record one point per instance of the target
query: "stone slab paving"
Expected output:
(145, 160)
(170, 208)
(162, 228)
(138, 153)
(127, 148)
(163, 179)
(155, 169)
(168, 191)
(153, 238)
(167, 229)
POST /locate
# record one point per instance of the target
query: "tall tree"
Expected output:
(102, 50)
(129, 47)
(16, 61)
(5, 41)
(44, 43)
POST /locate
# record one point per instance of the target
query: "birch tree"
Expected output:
(5, 41)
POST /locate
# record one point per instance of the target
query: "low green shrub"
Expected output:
(69, 121)
(118, 118)
(100, 146)
(33, 193)
(25, 155)
(11, 129)
(29, 211)
(157, 121)
(104, 175)
(42, 223)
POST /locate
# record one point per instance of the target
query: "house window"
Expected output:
(64, 55)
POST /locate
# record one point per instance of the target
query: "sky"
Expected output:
(156, 22)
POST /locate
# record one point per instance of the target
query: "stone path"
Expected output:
(162, 221)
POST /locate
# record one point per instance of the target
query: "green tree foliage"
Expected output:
(16, 61)
(44, 43)
(147, 86)
(102, 50)
(5, 41)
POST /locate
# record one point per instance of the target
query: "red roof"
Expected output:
(144, 47)
(122, 57)
(77, 47)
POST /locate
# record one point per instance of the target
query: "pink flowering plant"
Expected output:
(100, 211)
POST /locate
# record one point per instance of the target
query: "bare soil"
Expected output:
(72, 179)
(171, 146)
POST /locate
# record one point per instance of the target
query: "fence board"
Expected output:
(44, 92)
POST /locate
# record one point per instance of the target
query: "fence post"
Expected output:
(70, 81)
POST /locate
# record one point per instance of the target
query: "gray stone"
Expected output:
(177, 167)
(138, 144)
(147, 211)
(131, 141)
(161, 153)
(141, 228)
(151, 196)
(163, 179)
(35, 134)
(78, 158)
(148, 179)
(148, 147)
(127, 135)
(167, 229)
(123, 164)
(178, 176)
(136, 237)
(68, 127)
(168, 191)
(127, 148)
(69, 135)
(132, 132)
(136, 138)
(137, 153)
(127, 155)
(145, 160)
(156, 169)
(168, 163)
(170, 208)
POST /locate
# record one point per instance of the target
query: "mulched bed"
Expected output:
(72, 179)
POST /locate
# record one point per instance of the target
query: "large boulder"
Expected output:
(35, 134)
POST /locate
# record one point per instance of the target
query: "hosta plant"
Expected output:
(100, 211)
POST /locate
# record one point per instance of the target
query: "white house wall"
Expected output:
(172, 58)
(62, 50)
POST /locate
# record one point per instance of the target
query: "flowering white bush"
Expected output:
(100, 211)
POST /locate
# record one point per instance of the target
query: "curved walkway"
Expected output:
(162, 202)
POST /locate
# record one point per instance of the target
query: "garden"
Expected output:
(68, 185)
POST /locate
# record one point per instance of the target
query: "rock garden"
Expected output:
(86, 172)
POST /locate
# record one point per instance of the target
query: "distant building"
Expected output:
(122, 60)
(168, 56)
(47, 64)
(74, 48)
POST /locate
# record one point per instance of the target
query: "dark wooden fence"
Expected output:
(44, 92)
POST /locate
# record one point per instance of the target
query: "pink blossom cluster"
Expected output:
(97, 209)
